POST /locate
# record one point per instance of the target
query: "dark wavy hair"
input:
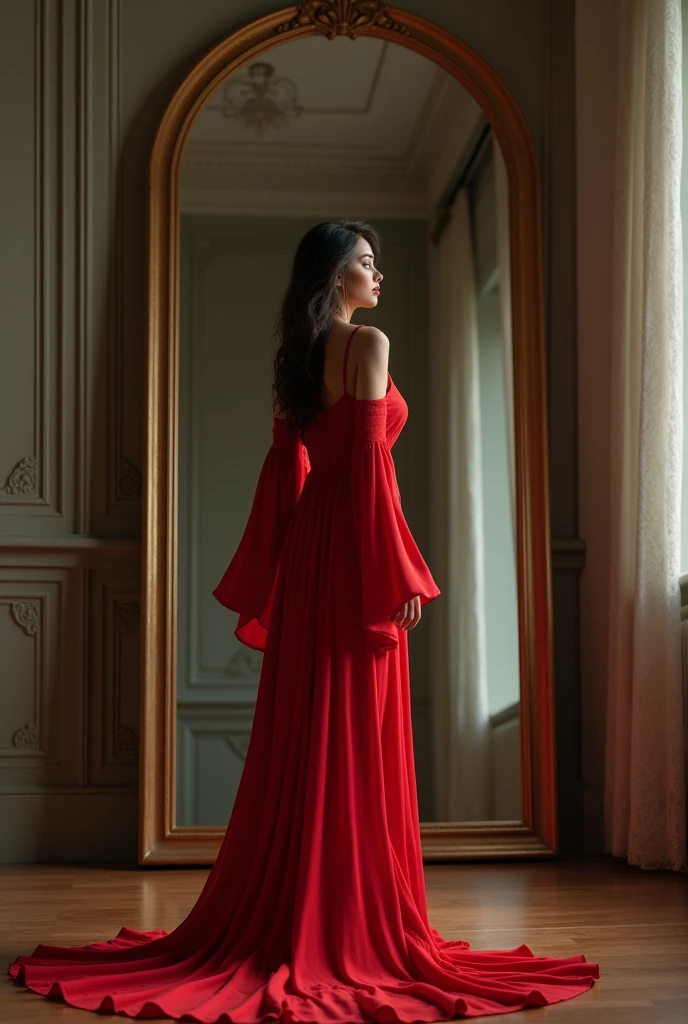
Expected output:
(306, 315)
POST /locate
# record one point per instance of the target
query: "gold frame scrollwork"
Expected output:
(161, 841)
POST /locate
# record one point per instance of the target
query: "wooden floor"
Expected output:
(633, 923)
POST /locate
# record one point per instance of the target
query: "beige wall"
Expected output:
(84, 83)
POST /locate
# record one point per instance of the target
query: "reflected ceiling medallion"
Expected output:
(259, 101)
(343, 17)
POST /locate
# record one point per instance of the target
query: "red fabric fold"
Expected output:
(248, 583)
(392, 567)
(315, 909)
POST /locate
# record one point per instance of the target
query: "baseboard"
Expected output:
(78, 826)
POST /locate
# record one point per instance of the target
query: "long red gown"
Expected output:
(315, 907)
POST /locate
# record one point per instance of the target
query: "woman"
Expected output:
(315, 907)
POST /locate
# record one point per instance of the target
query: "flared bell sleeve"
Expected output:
(392, 567)
(248, 584)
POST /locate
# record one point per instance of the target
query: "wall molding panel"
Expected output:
(41, 700)
(211, 739)
(23, 659)
(70, 635)
(30, 491)
(114, 352)
(114, 632)
(109, 357)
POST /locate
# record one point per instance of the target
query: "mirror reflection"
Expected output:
(310, 132)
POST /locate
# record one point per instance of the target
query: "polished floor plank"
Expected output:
(633, 923)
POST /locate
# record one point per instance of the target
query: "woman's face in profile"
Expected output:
(362, 279)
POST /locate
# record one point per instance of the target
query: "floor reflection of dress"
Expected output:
(315, 908)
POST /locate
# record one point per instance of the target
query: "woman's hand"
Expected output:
(408, 615)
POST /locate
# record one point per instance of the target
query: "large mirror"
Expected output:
(317, 126)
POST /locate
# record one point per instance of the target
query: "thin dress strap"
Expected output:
(346, 353)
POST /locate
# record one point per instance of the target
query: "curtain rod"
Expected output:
(479, 141)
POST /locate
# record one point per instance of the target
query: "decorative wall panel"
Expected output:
(112, 376)
(41, 696)
(31, 401)
(113, 678)
(212, 745)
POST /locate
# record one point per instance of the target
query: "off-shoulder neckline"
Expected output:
(345, 394)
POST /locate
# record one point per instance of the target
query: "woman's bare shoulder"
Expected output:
(372, 361)
(371, 339)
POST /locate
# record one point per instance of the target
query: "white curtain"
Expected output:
(644, 779)
(461, 710)
(504, 268)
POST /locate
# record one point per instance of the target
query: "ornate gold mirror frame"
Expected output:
(161, 841)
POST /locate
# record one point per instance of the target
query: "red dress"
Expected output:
(315, 907)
